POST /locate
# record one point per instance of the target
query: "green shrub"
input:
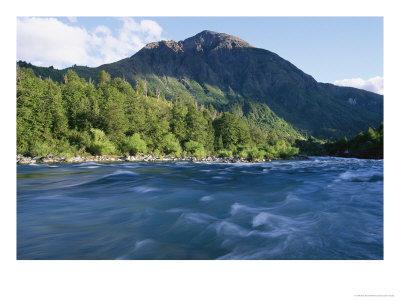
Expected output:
(100, 144)
(41, 148)
(195, 148)
(170, 145)
(101, 148)
(54, 147)
(156, 152)
(134, 145)
(63, 148)
(281, 149)
(242, 151)
(225, 153)
(80, 139)
(255, 154)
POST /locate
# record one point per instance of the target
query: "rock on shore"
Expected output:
(21, 160)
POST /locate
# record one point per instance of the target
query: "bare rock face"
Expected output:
(211, 40)
(174, 46)
(204, 41)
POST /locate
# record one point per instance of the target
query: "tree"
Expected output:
(115, 121)
(178, 121)
(76, 102)
(232, 130)
(113, 118)
(210, 134)
(196, 125)
(156, 124)
(57, 114)
(103, 79)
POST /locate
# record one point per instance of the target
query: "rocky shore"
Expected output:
(21, 160)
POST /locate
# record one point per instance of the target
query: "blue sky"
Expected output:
(340, 50)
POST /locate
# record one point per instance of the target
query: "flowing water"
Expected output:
(321, 208)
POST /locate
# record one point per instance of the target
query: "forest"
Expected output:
(108, 116)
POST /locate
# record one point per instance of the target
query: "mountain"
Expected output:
(226, 71)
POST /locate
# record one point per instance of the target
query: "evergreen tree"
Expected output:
(196, 125)
(178, 121)
(113, 118)
(232, 130)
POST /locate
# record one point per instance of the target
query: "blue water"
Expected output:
(322, 208)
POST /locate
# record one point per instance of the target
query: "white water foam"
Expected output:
(237, 208)
(363, 175)
(121, 172)
(290, 198)
(177, 210)
(249, 172)
(261, 219)
(228, 228)
(143, 189)
(198, 217)
(129, 165)
(142, 243)
(220, 178)
(348, 175)
(206, 198)
(59, 197)
(274, 220)
(86, 164)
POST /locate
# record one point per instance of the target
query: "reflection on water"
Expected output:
(323, 208)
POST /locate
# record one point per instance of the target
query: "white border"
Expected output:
(337, 280)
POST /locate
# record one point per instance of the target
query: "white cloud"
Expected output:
(102, 30)
(52, 42)
(73, 19)
(374, 84)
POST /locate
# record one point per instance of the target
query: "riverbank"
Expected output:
(21, 160)
(366, 154)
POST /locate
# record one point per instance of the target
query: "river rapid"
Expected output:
(320, 208)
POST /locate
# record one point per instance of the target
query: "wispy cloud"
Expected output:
(374, 84)
(48, 41)
(73, 19)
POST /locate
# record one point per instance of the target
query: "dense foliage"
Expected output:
(111, 117)
(367, 144)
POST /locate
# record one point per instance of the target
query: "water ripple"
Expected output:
(321, 208)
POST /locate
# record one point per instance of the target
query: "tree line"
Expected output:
(112, 117)
(366, 144)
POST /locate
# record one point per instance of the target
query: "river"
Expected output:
(320, 208)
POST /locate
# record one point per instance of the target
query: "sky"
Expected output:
(346, 51)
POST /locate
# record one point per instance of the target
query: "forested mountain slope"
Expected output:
(219, 69)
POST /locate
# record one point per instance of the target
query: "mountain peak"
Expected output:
(204, 41)
(168, 44)
(212, 40)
